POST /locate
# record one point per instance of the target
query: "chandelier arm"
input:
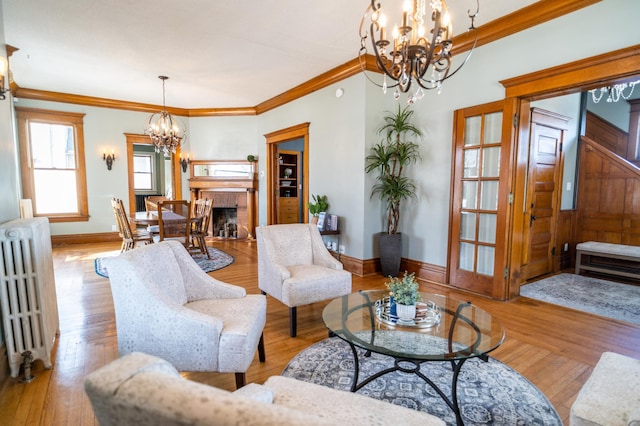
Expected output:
(451, 74)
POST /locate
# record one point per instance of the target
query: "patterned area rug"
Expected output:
(219, 260)
(606, 298)
(488, 392)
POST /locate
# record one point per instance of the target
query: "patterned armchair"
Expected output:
(139, 389)
(165, 305)
(296, 268)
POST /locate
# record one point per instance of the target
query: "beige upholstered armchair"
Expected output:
(165, 305)
(142, 390)
(296, 268)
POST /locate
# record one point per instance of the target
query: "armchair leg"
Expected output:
(261, 354)
(293, 320)
(240, 380)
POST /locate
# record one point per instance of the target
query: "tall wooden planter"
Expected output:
(390, 249)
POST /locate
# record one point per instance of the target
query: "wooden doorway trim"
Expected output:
(176, 176)
(299, 131)
(574, 77)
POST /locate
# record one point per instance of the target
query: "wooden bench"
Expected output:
(614, 259)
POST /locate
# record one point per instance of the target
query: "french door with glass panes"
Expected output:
(481, 199)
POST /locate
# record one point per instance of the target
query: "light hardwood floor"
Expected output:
(555, 348)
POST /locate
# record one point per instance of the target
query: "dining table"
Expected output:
(149, 219)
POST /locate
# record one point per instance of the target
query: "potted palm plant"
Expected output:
(389, 159)
(319, 205)
(405, 293)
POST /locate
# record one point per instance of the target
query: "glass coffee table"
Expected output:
(445, 329)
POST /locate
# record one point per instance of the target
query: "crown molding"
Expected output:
(527, 17)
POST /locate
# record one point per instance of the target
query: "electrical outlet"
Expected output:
(114, 228)
(341, 249)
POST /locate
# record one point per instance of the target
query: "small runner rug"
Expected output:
(489, 393)
(219, 260)
(601, 297)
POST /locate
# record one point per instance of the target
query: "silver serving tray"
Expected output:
(427, 314)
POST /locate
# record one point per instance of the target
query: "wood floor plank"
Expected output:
(555, 348)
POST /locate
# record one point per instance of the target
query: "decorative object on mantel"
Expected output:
(405, 293)
(615, 92)
(109, 158)
(166, 131)
(390, 159)
(319, 205)
(494, 393)
(408, 56)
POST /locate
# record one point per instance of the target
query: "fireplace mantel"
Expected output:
(226, 176)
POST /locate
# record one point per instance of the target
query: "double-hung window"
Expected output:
(52, 163)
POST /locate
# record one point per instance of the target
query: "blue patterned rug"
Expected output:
(605, 298)
(219, 260)
(489, 393)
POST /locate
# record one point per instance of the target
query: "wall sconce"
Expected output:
(3, 78)
(109, 158)
(184, 162)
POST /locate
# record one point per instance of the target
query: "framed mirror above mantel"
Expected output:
(233, 185)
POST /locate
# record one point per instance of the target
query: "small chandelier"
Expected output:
(165, 131)
(615, 92)
(409, 57)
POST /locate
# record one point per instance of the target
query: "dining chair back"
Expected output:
(174, 221)
(202, 211)
(151, 202)
(130, 237)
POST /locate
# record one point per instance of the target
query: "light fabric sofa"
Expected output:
(611, 395)
(165, 305)
(140, 389)
(295, 267)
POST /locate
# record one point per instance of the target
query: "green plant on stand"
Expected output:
(319, 205)
(406, 293)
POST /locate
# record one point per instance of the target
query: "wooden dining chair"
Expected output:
(174, 221)
(202, 211)
(151, 202)
(130, 237)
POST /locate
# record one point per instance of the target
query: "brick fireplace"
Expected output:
(234, 212)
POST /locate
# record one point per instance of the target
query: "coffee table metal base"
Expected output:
(413, 366)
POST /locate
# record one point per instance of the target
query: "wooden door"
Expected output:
(482, 199)
(544, 189)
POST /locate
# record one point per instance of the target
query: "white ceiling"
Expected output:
(218, 54)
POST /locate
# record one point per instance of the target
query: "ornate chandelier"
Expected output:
(165, 131)
(615, 92)
(409, 57)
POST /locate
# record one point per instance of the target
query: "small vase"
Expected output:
(406, 312)
(314, 220)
